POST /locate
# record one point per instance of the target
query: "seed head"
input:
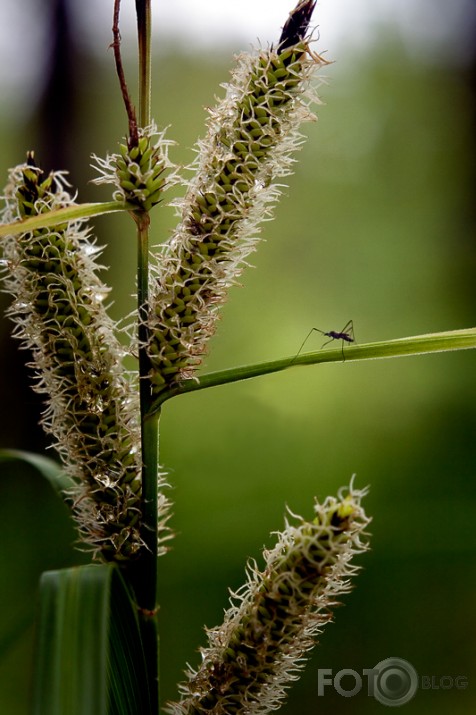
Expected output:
(91, 410)
(252, 134)
(274, 619)
(138, 172)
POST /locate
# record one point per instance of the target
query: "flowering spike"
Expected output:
(275, 617)
(59, 314)
(138, 171)
(252, 134)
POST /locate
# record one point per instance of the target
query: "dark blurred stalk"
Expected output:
(51, 131)
(54, 130)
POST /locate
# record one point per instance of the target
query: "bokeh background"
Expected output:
(377, 225)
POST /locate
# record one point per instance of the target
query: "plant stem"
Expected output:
(149, 425)
(129, 107)
(144, 574)
(147, 576)
(69, 213)
(416, 345)
(144, 27)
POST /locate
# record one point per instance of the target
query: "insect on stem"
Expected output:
(346, 335)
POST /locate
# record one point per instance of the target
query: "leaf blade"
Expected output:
(46, 467)
(89, 655)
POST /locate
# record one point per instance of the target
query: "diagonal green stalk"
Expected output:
(416, 345)
(51, 219)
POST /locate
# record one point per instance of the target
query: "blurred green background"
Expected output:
(377, 225)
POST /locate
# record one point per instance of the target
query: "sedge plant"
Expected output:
(104, 420)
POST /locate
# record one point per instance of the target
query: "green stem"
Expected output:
(147, 577)
(149, 425)
(69, 213)
(144, 572)
(149, 422)
(416, 345)
(144, 27)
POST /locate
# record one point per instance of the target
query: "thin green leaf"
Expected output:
(59, 216)
(89, 657)
(450, 340)
(46, 467)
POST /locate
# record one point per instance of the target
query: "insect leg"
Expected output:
(304, 342)
(327, 342)
(348, 329)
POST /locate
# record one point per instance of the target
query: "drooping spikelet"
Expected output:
(252, 134)
(259, 650)
(59, 314)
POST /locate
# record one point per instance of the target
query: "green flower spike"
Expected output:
(138, 172)
(59, 314)
(259, 650)
(251, 136)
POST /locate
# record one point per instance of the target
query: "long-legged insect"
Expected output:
(346, 335)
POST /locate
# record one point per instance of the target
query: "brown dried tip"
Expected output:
(297, 25)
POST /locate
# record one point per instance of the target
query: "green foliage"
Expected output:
(374, 230)
(44, 466)
(89, 656)
(37, 535)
